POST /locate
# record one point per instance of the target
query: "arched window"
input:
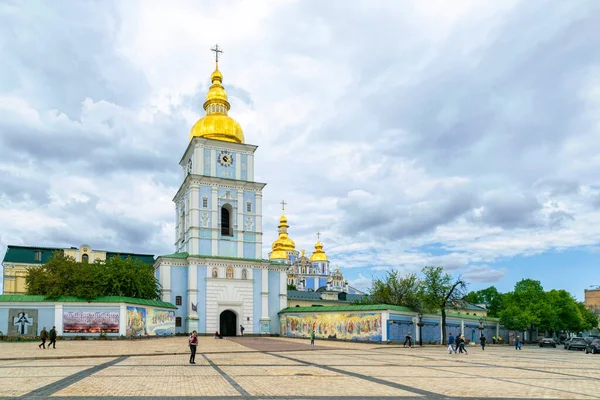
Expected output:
(229, 273)
(177, 321)
(178, 301)
(85, 258)
(244, 274)
(226, 221)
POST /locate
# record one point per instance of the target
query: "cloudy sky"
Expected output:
(464, 134)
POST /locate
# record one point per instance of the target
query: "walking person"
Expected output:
(43, 336)
(518, 343)
(482, 340)
(193, 345)
(408, 340)
(52, 338)
(242, 329)
(458, 342)
(463, 349)
(312, 338)
(451, 342)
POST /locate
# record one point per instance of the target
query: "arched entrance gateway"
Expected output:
(227, 323)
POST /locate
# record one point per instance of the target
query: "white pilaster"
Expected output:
(462, 326)
(385, 316)
(251, 167)
(198, 163)
(213, 162)
(123, 319)
(258, 224)
(215, 221)
(165, 279)
(238, 166)
(265, 294)
(282, 290)
(192, 290)
(240, 222)
(316, 283)
(58, 319)
(194, 214)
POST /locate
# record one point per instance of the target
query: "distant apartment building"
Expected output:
(19, 258)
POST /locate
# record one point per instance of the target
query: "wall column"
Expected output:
(165, 280)
(462, 326)
(58, 319)
(258, 224)
(265, 321)
(123, 319)
(239, 231)
(192, 298)
(215, 218)
(282, 290)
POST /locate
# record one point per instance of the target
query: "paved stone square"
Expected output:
(258, 368)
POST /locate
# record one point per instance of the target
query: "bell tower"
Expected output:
(219, 205)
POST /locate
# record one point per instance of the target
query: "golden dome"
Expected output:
(216, 124)
(283, 244)
(319, 254)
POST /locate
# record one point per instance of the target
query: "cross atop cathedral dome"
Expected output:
(216, 124)
(284, 243)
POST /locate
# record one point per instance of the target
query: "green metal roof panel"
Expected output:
(26, 254)
(70, 299)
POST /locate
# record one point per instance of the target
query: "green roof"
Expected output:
(375, 307)
(26, 254)
(369, 307)
(185, 255)
(13, 298)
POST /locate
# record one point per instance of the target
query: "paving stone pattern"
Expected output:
(278, 368)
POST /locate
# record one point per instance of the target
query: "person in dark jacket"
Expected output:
(43, 336)
(408, 340)
(52, 338)
(193, 341)
(482, 340)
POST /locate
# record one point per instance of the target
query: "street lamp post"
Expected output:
(481, 327)
(420, 315)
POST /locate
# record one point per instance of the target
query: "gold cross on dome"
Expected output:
(283, 203)
(217, 50)
(318, 235)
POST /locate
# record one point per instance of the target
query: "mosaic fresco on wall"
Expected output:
(90, 322)
(142, 321)
(357, 327)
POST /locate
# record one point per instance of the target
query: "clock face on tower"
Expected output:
(225, 158)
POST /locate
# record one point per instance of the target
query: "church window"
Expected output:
(226, 221)
(205, 202)
(177, 321)
(38, 256)
(229, 273)
(178, 301)
(248, 206)
(85, 258)
(215, 273)
(244, 274)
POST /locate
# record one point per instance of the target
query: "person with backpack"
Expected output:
(193, 345)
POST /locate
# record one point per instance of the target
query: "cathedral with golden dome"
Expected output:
(307, 274)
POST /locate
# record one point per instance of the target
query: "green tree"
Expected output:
(291, 286)
(395, 290)
(527, 307)
(440, 291)
(63, 276)
(491, 297)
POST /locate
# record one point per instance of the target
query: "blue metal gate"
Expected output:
(397, 330)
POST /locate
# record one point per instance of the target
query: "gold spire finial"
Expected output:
(217, 124)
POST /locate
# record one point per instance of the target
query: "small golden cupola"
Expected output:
(318, 254)
(216, 124)
(283, 244)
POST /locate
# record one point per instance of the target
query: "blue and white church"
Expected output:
(217, 277)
